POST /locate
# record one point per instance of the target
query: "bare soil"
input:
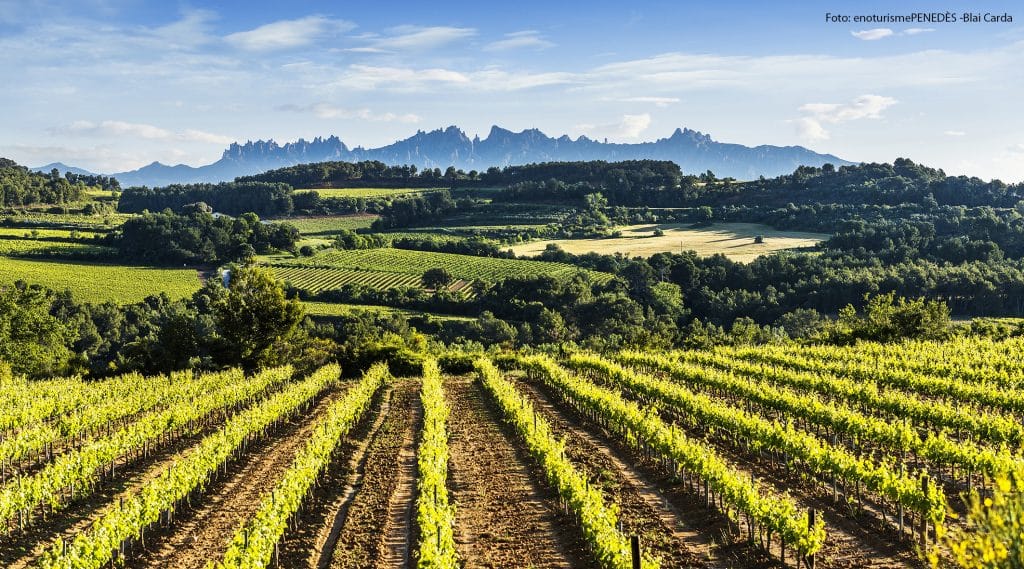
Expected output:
(202, 533)
(504, 517)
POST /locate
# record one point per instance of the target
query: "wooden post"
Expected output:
(634, 550)
(812, 518)
(924, 519)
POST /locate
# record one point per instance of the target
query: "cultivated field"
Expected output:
(329, 225)
(328, 309)
(367, 192)
(318, 279)
(36, 233)
(70, 220)
(44, 247)
(739, 457)
(93, 282)
(463, 267)
(734, 240)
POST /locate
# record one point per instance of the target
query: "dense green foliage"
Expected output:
(628, 183)
(357, 174)
(901, 182)
(250, 323)
(232, 198)
(200, 237)
(20, 187)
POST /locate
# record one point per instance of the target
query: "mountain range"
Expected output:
(695, 152)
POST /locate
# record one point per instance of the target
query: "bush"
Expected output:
(456, 363)
(306, 251)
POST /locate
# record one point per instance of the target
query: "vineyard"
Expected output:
(328, 225)
(367, 192)
(94, 282)
(464, 267)
(318, 279)
(737, 457)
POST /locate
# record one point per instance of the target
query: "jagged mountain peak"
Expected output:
(693, 150)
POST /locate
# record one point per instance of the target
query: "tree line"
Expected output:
(20, 186)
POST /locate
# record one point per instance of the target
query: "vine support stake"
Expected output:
(634, 550)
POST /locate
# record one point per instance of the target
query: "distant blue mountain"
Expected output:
(60, 166)
(693, 151)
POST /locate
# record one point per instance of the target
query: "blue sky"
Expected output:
(111, 85)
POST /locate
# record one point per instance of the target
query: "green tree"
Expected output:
(437, 278)
(256, 322)
(31, 339)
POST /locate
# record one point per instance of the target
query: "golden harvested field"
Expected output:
(734, 240)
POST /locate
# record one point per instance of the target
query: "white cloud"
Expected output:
(139, 130)
(419, 37)
(872, 34)
(880, 33)
(407, 79)
(630, 127)
(864, 106)
(1016, 149)
(288, 34)
(811, 130)
(811, 125)
(954, 133)
(526, 39)
(327, 111)
(656, 101)
(372, 76)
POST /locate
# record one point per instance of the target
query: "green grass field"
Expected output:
(463, 267)
(93, 282)
(734, 240)
(313, 226)
(367, 192)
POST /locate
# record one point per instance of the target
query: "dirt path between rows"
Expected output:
(503, 518)
(23, 550)
(202, 533)
(360, 519)
(852, 541)
(862, 541)
(678, 532)
(398, 529)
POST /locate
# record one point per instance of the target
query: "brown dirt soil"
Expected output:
(503, 517)
(360, 522)
(202, 533)
(679, 532)
(851, 542)
(19, 551)
(325, 516)
(397, 547)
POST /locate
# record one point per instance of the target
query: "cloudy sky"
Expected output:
(111, 85)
